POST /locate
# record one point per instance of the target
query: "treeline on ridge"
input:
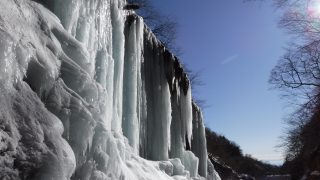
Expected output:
(231, 163)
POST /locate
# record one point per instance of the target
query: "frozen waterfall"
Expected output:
(88, 92)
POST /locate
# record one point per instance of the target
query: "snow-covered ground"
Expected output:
(88, 92)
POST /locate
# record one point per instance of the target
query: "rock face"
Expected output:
(225, 172)
(88, 92)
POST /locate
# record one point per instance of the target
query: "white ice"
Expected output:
(88, 92)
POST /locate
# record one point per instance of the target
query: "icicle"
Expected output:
(158, 101)
(198, 143)
(117, 19)
(132, 76)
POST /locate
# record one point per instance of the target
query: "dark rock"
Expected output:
(131, 6)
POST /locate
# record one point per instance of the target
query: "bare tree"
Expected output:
(163, 26)
(196, 82)
(297, 74)
(292, 140)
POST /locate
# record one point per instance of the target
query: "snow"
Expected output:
(88, 92)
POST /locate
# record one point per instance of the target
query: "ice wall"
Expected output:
(88, 92)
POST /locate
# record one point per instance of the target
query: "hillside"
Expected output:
(231, 163)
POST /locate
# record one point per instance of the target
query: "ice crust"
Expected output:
(88, 92)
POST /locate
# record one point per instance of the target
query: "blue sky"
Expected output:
(235, 45)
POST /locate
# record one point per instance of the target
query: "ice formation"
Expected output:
(88, 92)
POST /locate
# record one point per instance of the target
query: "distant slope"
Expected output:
(230, 162)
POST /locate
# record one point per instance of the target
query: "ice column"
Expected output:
(118, 39)
(198, 143)
(158, 100)
(132, 77)
(180, 129)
